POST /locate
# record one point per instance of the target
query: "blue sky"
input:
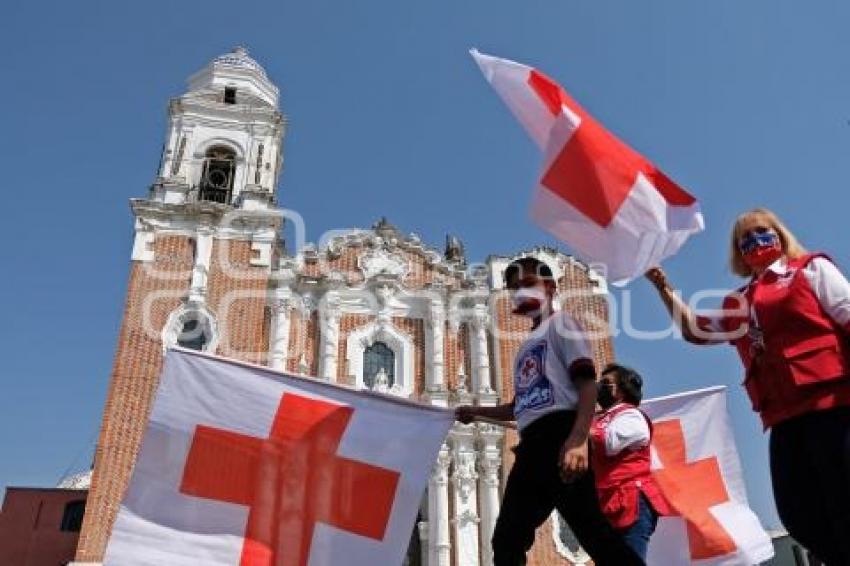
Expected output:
(744, 103)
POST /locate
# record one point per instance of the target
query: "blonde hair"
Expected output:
(790, 245)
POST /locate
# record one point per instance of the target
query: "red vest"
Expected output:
(795, 355)
(620, 479)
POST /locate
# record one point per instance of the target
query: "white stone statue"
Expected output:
(382, 382)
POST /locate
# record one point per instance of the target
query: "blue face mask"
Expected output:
(755, 240)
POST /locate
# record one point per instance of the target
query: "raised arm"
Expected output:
(468, 413)
(680, 312)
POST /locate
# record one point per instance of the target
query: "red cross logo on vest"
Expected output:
(595, 171)
(692, 488)
(290, 481)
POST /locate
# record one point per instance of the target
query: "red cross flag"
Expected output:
(695, 463)
(244, 466)
(596, 194)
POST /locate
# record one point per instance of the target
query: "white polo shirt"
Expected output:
(542, 382)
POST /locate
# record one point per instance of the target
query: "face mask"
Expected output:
(760, 249)
(605, 395)
(527, 300)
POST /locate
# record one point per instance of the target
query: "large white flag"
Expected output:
(696, 464)
(596, 194)
(244, 466)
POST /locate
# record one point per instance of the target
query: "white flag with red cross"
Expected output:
(241, 465)
(596, 194)
(696, 465)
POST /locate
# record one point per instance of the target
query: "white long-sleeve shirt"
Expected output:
(628, 430)
(828, 283)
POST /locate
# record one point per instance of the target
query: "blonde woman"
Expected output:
(790, 324)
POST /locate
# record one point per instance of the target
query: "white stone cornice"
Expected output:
(225, 221)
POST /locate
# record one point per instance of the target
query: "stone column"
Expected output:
(424, 542)
(201, 267)
(279, 339)
(465, 520)
(478, 338)
(438, 511)
(490, 461)
(329, 319)
(436, 322)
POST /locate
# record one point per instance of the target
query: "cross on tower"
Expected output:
(290, 481)
(692, 489)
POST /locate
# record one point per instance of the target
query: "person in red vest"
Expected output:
(619, 439)
(790, 324)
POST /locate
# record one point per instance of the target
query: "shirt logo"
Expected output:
(533, 390)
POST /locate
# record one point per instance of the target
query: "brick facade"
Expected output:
(237, 295)
(155, 290)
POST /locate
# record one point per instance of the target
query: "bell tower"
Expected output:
(205, 239)
(224, 137)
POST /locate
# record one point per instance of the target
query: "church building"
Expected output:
(374, 308)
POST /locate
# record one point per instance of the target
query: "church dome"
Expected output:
(239, 57)
(238, 70)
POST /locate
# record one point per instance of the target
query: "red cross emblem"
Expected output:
(692, 488)
(290, 481)
(529, 370)
(595, 171)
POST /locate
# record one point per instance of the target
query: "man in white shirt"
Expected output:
(554, 401)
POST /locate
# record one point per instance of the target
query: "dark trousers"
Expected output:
(810, 469)
(534, 488)
(637, 535)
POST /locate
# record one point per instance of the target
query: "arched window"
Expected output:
(217, 174)
(72, 517)
(378, 357)
(191, 326)
(195, 332)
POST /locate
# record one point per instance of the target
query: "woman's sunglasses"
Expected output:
(756, 238)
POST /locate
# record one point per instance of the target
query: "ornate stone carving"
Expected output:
(440, 473)
(465, 475)
(461, 388)
(489, 466)
(308, 304)
(382, 382)
(375, 262)
(454, 249)
(466, 517)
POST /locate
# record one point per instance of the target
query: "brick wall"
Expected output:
(155, 290)
(347, 324)
(30, 521)
(237, 295)
(415, 328)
